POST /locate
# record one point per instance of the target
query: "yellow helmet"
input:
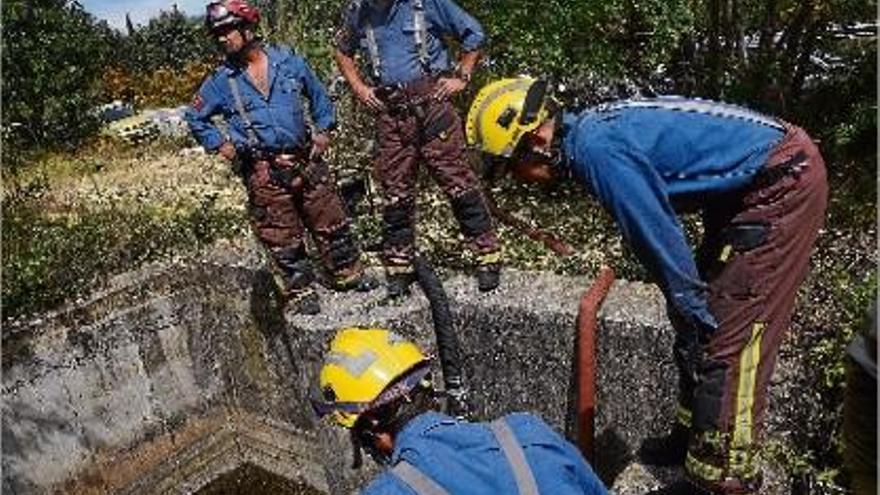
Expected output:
(360, 366)
(503, 112)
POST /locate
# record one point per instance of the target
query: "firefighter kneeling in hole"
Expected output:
(761, 187)
(378, 385)
(410, 93)
(259, 91)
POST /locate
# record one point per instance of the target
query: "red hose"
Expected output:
(586, 356)
(553, 243)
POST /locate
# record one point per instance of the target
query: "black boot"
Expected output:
(488, 276)
(668, 450)
(355, 280)
(301, 302)
(398, 284)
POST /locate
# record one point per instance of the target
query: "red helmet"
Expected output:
(230, 13)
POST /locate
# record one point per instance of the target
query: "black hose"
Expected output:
(448, 347)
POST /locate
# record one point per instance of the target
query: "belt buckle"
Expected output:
(287, 157)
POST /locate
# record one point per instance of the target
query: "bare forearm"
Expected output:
(468, 61)
(349, 70)
(364, 92)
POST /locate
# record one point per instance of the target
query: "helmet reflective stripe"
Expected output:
(355, 365)
(218, 16)
(364, 368)
(696, 106)
(217, 11)
(230, 13)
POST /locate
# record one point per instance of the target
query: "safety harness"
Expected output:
(422, 484)
(252, 139)
(420, 37)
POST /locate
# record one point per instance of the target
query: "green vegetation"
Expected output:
(74, 221)
(52, 52)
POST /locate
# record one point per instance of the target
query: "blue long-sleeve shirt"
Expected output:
(642, 158)
(395, 34)
(464, 458)
(278, 120)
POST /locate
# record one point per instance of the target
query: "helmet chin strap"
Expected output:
(365, 440)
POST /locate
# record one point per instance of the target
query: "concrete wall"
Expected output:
(170, 380)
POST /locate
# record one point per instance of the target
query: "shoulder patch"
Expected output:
(197, 103)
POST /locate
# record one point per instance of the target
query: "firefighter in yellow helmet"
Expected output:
(761, 186)
(378, 385)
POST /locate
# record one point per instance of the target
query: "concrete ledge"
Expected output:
(168, 382)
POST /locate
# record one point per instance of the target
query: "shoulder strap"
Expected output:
(420, 37)
(253, 140)
(421, 33)
(373, 48)
(516, 457)
(418, 481)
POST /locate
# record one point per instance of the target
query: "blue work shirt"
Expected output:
(464, 458)
(395, 33)
(642, 161)
(278, 119)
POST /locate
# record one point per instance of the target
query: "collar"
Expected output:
(417, 427)
(566, 136)
(371, 6)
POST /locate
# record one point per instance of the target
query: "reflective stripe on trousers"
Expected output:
(513, 452)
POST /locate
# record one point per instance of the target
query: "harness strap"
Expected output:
(513, 452)
(373, 49)
(697, 106)
(420, 37)
(421, 34)
(417, 480)
(253, 140)
(516, 457)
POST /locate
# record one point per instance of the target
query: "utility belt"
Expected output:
(772, 174)
(409, 97)
(288, 165)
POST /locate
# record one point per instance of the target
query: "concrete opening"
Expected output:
(249, 479)
(188, 379)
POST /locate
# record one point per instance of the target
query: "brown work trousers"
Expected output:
(752, 291)
(283, 208)
(417, 127)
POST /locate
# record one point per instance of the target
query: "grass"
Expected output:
(72, 221)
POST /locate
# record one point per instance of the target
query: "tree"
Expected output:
(53, 55)
(169, 41)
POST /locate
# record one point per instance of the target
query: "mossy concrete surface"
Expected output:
(184, 373)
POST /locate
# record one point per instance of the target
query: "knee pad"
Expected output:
(398, 224)
(343, 250)
(296, 266)
(471, 213)
(708, 395)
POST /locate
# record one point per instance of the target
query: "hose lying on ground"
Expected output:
(448, 347)
(553, 243)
